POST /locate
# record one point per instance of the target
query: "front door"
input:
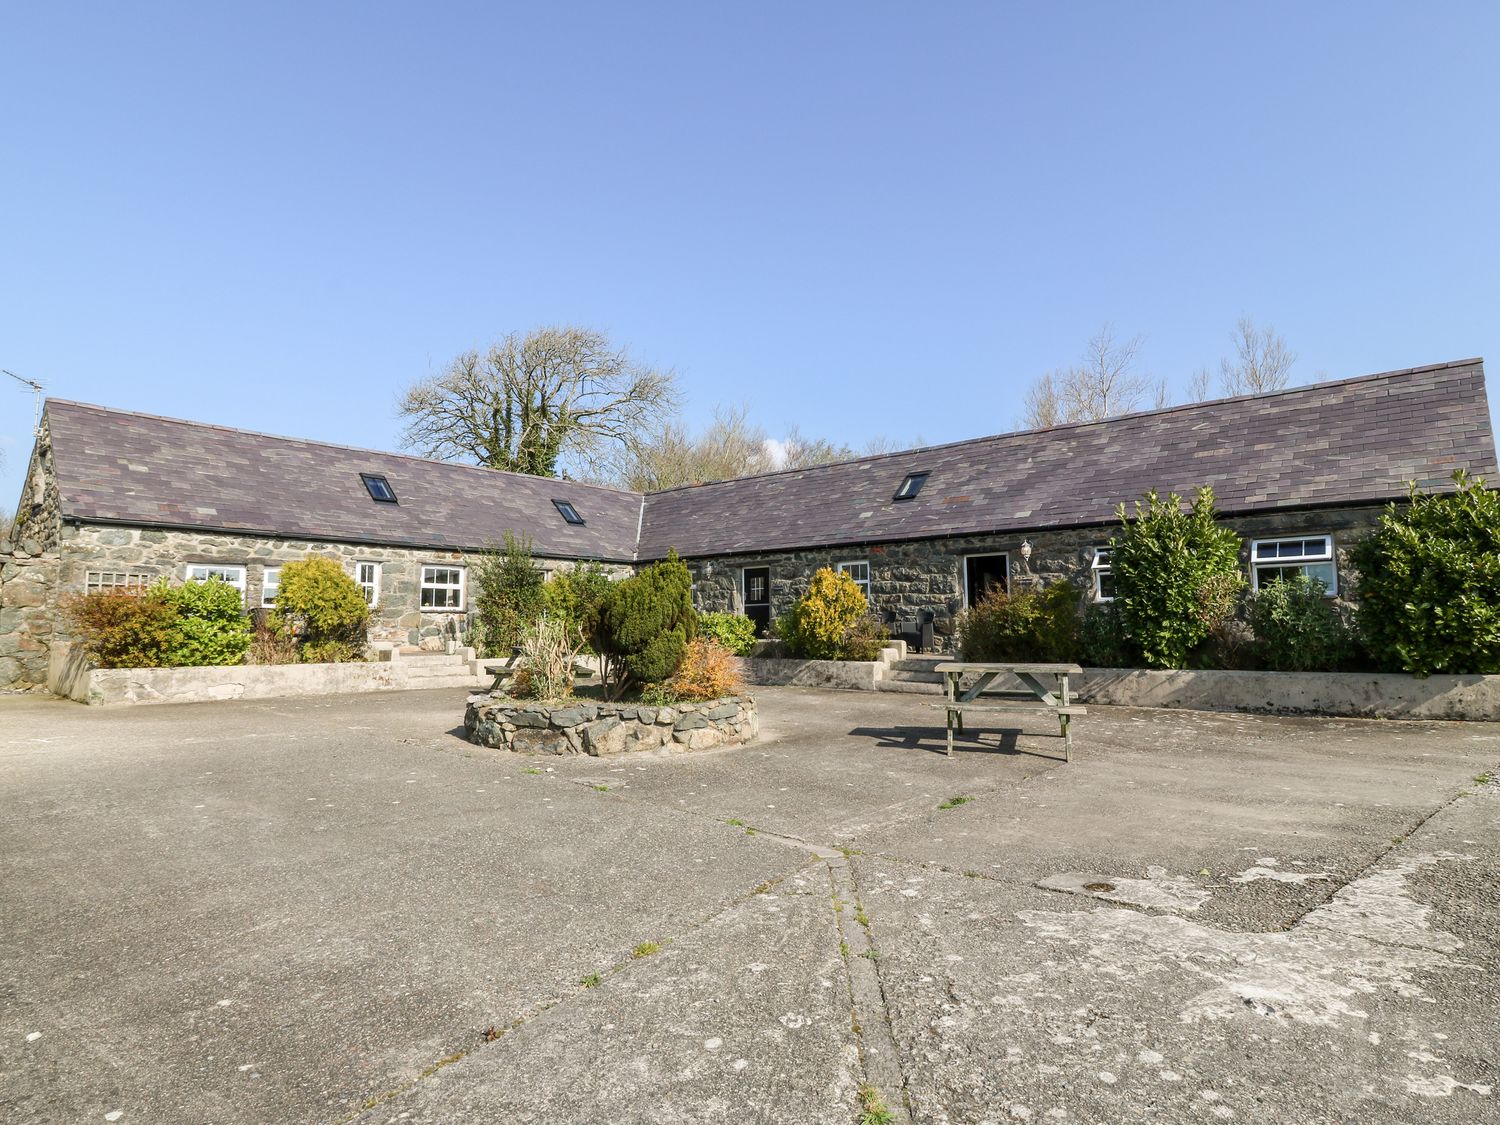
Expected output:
(758, 598)
(983, 573)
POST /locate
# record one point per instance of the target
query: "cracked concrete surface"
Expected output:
(334, 909)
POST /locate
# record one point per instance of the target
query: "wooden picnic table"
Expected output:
(959, 700)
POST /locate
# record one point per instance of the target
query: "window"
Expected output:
(860, 573)
(270, 585)
(379, 488)
(202, 572)
(116, 582)
(442, 587)
(1104, 575)
(569, 512)
(1271, 559)
(368, 577)
(910, 486)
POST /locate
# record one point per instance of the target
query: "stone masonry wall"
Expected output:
(601, 729)
(397, 616)
(29, 576)
(928, 575)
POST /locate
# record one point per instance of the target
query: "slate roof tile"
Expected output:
(118, 466)
(1354, 441)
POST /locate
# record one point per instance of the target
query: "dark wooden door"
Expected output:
(983, 573)
(758, 598)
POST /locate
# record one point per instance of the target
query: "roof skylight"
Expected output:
(910, 486)
(379, 488)
(568, 512)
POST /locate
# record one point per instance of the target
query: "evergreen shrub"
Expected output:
(324, 607)
(1298, 628)
(733, 631)
(642, 627)
(1177, 576)
(1429, 583)
(1029, 625)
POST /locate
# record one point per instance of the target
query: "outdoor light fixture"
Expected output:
(1026, 548)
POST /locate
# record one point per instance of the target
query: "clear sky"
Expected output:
(860, 218)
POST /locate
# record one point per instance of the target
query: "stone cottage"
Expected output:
(115, 500)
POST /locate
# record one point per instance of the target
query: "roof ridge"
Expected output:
(1068, 426)
(330, 445)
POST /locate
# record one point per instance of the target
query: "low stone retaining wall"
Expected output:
(1370, 695)
(586, 727)
(849, 675)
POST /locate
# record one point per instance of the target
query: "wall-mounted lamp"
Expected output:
(1026, 549)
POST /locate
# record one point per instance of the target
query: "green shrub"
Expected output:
(865, 638)
(325, 608)
(821, 622)
(1102, 640)
(1297, 628)
(508, 593)
(1040, 625)
(1176, 576)
(210, 628)
(643, 625)
(573, 597)
(1429, 583)
(731, 630)
(271, 642)
(123, 630)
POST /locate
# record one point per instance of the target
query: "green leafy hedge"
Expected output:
(1429, 583)
(731, 630)
(193, 625)
(1177, 575)
(1028, 625)
(325, 608)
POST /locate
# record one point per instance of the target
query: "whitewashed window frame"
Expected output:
(202, 572)
(1324, 561)
(116, 581)
(862, 583)
(1101, 566)
(426, 585)
(270, 586)
(370, 586)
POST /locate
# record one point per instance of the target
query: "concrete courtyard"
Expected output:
(334, 910)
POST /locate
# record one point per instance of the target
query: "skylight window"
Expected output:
(910, 486)
(569, 512)
(379, 488)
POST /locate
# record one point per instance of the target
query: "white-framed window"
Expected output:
(860, 573)
(270, 585)
(442, 587)
(116, 582)
(367, 574)
(202, 572)
(1104, 575)
(1311, 555)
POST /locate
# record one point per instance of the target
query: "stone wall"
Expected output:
(584, 727)
(28, 615)
(928, 575)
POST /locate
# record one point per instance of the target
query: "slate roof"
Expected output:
(1353, 441)
(114, 466)
(1349, 442)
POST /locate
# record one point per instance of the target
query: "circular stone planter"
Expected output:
(581, 726)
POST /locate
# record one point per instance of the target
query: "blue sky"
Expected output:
(859, 218)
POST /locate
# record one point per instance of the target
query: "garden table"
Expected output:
(960, 700)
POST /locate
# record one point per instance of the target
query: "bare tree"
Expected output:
(562, 394)
(1200, 386)
(7, 522)
(799, 452)
(1105, 383)
(1262, 361)
(731, 446)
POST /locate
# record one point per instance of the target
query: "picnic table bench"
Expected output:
(959, 700)
(504, 667)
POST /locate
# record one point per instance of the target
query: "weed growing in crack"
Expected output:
(861, 917)
(492, 1033)
(954, 802)
(645, 949)
(602, 788)
(872, 1107)
(735, 822)
(531, 769)
(871, 954)
(593, 980)
(763, 889)
(844, 950)
(1483, 778)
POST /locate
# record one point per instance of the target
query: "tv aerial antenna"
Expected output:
(38, 390)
